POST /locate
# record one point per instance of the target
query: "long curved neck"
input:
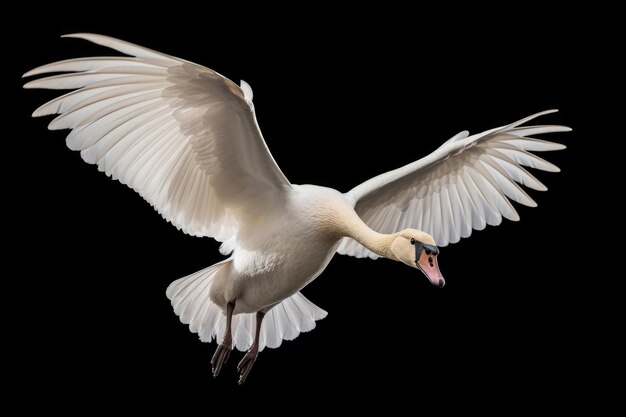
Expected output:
(356, 229)
(378, 243)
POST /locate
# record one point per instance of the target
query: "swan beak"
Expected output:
(427, 263)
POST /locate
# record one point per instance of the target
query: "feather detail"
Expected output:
(285, 321)
(465, 184)
(181, 135)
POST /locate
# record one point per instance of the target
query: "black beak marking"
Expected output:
(430, 249)
(419, 248)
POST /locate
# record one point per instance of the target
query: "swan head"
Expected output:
(418, 250)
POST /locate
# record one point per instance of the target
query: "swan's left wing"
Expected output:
(465, 184)
(181, 135)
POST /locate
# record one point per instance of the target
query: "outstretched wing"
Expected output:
(181, 135)
(465, 184)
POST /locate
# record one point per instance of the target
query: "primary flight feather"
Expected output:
(187, 140)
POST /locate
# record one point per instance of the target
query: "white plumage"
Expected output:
(465, 184)
(189, 297)
(186, 139)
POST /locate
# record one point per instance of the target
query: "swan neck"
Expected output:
(379, 243)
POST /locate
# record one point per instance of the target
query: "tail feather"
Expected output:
(285, 321)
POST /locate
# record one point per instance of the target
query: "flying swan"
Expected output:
(187, 140)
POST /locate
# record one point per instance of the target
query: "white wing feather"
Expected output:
(181, 135)
(465, 184)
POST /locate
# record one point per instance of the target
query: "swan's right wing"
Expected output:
(465, 184)
(181, 135)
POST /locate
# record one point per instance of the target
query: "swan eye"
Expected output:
(412, 241)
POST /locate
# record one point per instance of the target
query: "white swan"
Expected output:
(186, 139)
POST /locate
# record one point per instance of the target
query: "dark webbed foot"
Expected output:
(246, 363)
(220, 357)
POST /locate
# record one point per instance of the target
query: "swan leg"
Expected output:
(249, 358)
(223, 349)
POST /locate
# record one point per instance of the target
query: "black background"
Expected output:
(340, 98)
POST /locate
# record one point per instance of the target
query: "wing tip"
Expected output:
(80, 35)
(34, 71)
(30, 84)
(532, 116)
(543, 113)
(550, 167)
(532, 203)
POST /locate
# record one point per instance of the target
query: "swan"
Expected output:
(187, 140)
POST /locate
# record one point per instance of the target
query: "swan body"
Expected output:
(285, 253)
(187, 140)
